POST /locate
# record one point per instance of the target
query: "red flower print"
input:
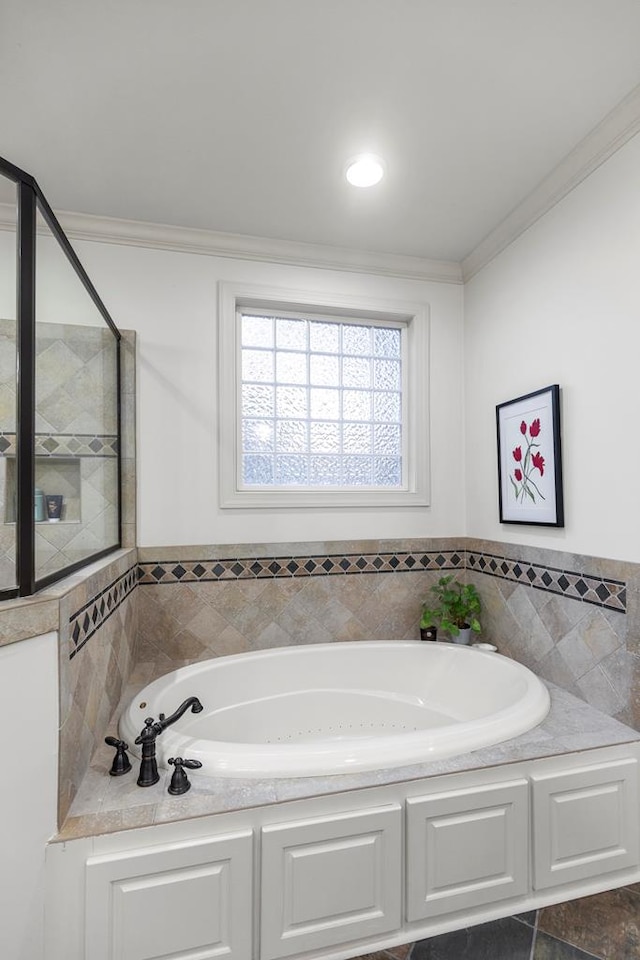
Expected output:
(528, 459)
(538, 461)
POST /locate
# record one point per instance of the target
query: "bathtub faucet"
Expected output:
(152, 729)
(193, 702)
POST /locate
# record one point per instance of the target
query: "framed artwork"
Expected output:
(529, 459)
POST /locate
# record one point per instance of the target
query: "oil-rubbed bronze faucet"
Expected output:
(152, 729)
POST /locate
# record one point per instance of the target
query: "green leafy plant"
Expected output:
(454, 606)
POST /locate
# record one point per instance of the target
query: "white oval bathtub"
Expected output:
(338, 707)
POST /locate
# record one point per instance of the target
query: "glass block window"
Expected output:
(322, 402)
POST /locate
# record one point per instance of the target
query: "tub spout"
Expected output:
(193, 702)
(147, 739)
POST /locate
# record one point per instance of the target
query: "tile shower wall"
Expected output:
(76, 443)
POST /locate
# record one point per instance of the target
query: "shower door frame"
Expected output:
(30, 200)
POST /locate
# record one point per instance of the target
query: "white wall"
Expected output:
(170, 299)
(562, 305)
(29, 795)
(60, 296)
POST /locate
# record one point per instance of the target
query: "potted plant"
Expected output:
(454, 608)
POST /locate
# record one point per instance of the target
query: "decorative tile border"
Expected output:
(89, 618)
(247, 568)
(600, 591)
(64, 445)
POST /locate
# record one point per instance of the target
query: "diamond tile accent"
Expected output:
(578, 586)
(65, 444)
(243, 568)
(86, 621)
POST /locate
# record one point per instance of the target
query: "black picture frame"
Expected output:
(530, 459)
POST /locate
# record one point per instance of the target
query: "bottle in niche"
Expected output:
(38, 505)
(54, 507)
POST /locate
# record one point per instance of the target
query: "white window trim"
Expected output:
(231, 297)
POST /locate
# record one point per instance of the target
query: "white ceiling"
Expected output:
(238, 115)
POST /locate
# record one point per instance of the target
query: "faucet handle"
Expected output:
(149, 733)
(121, 763)
(179, 781)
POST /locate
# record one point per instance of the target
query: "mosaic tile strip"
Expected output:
(600, 591)
(247, 568)
(89, 618)
(65, 445)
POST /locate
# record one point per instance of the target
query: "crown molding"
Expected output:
(612, 133)
(135, 233)
(616, 129)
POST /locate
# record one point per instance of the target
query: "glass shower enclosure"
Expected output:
(59, 400)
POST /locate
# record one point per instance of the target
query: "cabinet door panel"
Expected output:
(466, 848)
(192, 900)
(330, 880)
(586, 822)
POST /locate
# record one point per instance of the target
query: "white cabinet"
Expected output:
(585, 822)
(330, 880)
(351, 873)
(466, 848)
(182, 900)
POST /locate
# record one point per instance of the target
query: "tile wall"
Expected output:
(572, 619)
(196, 603)
(98, 628)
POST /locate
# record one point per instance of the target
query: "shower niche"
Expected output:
(58, 490)
(60, 471)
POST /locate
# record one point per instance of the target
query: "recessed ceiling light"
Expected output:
(365, 170)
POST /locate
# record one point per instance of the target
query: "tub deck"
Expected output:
(107, 804)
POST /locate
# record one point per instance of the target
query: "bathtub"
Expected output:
(333, 708)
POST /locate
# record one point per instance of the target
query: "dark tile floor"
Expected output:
(507, 939)
(602, 927)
